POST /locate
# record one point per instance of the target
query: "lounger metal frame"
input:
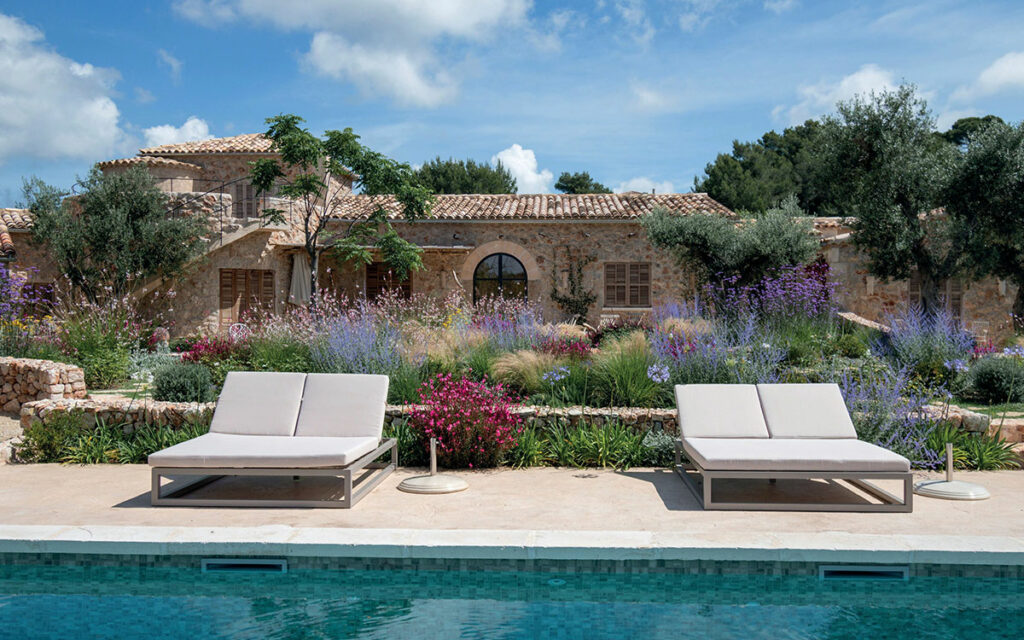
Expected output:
(355, 486)
(701, 486)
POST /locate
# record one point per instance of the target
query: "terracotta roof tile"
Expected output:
(149, 161)
(245, 143)
(11, 219)
(596, 206)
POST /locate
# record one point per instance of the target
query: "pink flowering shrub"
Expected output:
(208, 350)
(473, 421)
(570, 347)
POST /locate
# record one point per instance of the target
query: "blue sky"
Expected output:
(640, 93)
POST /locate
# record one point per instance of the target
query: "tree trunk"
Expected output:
(314, 267)
(930, 302)
(1018, 309)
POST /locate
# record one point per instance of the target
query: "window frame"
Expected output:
(635, 275)
(501, 279)
(405, 286)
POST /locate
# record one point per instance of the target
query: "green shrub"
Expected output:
(47, 440)
(405, 383)
(64, 437)
(851, 346)
(659, 449)
(410, 451)
(104, 365)
(528, 451)
(183, 382)
(996, 380)
(279, 353)
(989, 453)
(621, 373)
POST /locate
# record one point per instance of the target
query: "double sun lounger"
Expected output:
(284, 424)
(295, 424)
(780, 431)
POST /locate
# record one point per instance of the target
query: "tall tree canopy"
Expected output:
(718, 248)
(759, 175)
(115, 234)
(314, 172)
(885, 167)
(964, 128)
(465, 176)
(579, 182)
(986, 195)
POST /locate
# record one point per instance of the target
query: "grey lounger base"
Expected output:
(699, 482)
(355, 486)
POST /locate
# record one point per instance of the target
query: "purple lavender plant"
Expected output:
(357, 343)
(887, 411)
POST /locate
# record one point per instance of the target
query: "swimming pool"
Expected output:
(55, 596)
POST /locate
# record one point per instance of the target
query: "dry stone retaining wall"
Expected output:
(640, 419)
(24, 380)
(132, 412)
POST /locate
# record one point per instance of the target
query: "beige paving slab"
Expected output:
(526, 513)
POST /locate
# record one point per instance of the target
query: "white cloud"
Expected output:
(549, 34)
(1005, 73)
(697, 14)
(651, 100)
(644, 185)
(821, 98)
(386, 47)
(193, 129)
(143, 96)
(52, 106)
(634, 14)
(522, 164)
(409, 77)
(173, 64)
(779, 6)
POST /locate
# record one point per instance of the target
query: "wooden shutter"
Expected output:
(244, 204)
(627, 284)
(379, 279)
(615, 284)
(243, 290)
(267, 291)
(229, 300)
(640, 284)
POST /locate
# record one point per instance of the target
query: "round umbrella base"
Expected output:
(951, 490)
(433, 484)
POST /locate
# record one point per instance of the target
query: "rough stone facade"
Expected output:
(984, 309)
(23, 380)
(453, 249)
(663, 420)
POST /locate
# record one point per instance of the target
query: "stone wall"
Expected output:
(133, 412)
(986, 305)
(639, 419)
(23, 380)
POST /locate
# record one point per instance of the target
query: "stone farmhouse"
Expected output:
(477, 245)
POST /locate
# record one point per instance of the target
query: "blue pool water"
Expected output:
(70, 601)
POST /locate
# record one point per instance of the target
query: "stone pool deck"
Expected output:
(536, 513)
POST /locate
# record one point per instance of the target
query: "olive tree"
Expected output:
(887, 169)
(114, 234)
(314, 172)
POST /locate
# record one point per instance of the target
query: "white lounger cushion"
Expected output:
(720, 411)
(757, 454)
(221, 450)
(805, 411)
(259, 403)
(343, 404)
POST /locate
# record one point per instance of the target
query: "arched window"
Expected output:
(499, 274)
